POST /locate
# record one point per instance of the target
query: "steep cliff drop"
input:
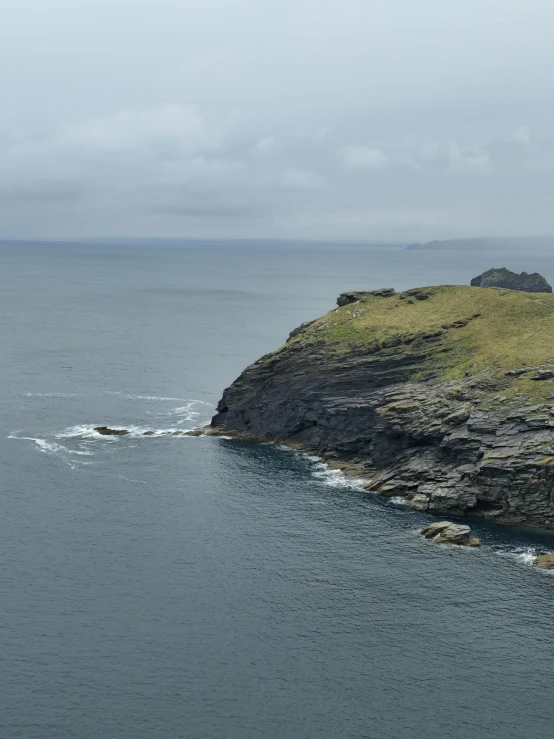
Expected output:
(443, 395)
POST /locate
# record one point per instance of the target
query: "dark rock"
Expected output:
(502, 277)
(300, 329)
(347, 298)
(520, 371)
(384, 292)
(419, 293)
(356, 295)
(543, 374)
(106, 431)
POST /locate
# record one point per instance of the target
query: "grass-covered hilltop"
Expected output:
(443, 395)
(463, 329)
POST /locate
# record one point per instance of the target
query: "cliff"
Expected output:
(443, 395)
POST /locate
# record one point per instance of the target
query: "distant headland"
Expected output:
(488, 243)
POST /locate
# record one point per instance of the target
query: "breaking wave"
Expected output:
(134, 432)
(57, 450)
(525, 556)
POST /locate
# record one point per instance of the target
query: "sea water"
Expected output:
(206, 588)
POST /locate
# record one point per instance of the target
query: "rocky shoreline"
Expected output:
(378, 410)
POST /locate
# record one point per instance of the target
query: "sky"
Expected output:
(365, 120)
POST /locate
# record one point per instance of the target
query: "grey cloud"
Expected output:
(344, 119)
(47, 191)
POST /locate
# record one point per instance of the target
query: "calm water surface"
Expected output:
(202, 588)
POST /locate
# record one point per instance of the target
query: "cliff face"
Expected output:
(438, 394)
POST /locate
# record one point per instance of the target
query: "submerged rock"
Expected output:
(545, 561)
(106, 431)
(502, 277)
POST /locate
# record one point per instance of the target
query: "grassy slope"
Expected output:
(514, 329)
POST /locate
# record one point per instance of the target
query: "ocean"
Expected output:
(207, 588)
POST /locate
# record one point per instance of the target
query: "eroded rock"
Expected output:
(446, 532)
(454, 534)
(356, 295)
(502, 277)
(545, 561)
(434, 529)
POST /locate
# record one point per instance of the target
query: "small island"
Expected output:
(442, 395)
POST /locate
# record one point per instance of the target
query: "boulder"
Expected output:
(352, 297)
(446, 532)
(419, 502)
(502, 277)
(455, 534)
(434, 529)
(106, 431)
(545, 561)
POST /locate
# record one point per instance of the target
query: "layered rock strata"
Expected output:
(385, 407)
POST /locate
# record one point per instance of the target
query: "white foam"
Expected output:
(50, 447)
(523, 556)
(526, 557)
(134, 432)
(398, 500)
(79, 432)
(50, 395)
(335, 478)
(130, 396)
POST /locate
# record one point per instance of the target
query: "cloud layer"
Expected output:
(348, 120)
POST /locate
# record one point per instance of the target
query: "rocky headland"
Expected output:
(442, 395)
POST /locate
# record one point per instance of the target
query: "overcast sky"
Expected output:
(397, 120)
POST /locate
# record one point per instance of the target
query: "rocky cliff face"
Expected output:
(400, 388)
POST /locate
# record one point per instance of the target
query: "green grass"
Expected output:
(514, 329)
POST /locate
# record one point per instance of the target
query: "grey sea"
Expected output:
(170, 587)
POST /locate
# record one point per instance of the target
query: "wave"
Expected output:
(134, 432)
(55, 449)
(50, 395)
(525, 556)
(131, 396)
(332, 477)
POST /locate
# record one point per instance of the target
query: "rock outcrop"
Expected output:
(435, 400)
(545, 561)
(356, 296)
(107, 431)
(446, 532)
(502, 277)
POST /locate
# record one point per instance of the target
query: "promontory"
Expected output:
(442, 395)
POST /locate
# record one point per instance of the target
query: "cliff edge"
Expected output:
(443, 395)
